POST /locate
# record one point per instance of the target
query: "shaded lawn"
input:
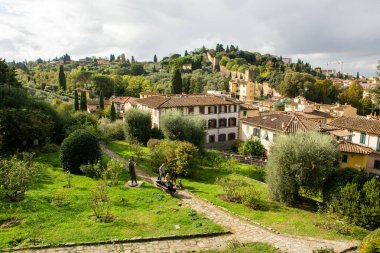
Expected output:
(147, 211)
(298, 220)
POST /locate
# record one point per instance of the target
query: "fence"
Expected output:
(256, 160)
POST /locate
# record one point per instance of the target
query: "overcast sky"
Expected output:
(317, 31)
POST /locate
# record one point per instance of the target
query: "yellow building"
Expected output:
(354, 155)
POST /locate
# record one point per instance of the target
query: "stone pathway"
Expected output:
(243, 231)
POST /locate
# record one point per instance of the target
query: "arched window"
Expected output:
(221, 137)
(212, 123)
(222, 122)
(232, 122)
(231, 136)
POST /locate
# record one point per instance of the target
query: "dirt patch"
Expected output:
(229, 199)
(11, 222)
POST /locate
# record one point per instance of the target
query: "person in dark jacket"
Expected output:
(132, 171)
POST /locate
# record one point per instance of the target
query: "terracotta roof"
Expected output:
(283, 123)
(120, 100)
(314, 115)
(340, 133)
(349, 147)
(96, 102)
(358, 123)
(248, 107)
(183, 100)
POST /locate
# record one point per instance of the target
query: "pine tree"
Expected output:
(155, 58)
(76, 101)
(101, 100)
(62, 78)
(113, 112)
(177, 82)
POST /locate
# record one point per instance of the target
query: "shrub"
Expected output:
(100, 203)
(300, 160)
(251, 148)
(231, 188)
(111, 130)
(249, 197)
(49, 148)
(114, 170)
(16, 176)
(371, 243)
(94, 170)
(80, 147)
(157, 133)
(60, 198)
(137, 125)
(360, 206)
(177, 127)
(180, 156)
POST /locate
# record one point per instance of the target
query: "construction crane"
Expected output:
(336, 63)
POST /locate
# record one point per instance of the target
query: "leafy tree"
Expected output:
(79, 148)
(81, 76)
(137, 69)
(137, 125)
(113, 112)
(352, 94)
(177, 82)
(180, 156)
(155, 58)
(16, 176)
(103, 83)
(177, 127)
(294, 84)
(7, 75)
(62, 78)
(252, 147)
(112, 57)
(76, 101)
(300, 160)
(101, 101)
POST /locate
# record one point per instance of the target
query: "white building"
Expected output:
(220, 113)
(119, 103)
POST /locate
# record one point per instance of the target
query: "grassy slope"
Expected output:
(143, 215)
(286, 219)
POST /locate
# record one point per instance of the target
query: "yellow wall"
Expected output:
(357, 161)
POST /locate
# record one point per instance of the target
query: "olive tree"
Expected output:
(300, 160)
(137, 125)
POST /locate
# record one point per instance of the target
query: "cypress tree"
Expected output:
(177, 82)
(81, 106)
(186, 53)
(133, 59)
(113, 112)
(62, 78)
(155, 58)
(101, 100)
(357, 75)
(84, 101)
(76, 101)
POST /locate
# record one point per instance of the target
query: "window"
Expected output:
(231, 136)
(350, 137)
(256, 132)
(362, 138)
(211, 138)
(202, 110)
(247, 129)
(344, 158)
(244, 113)
(232, 122)
(211, 109)
(212, 123)
(266, 136)
(222, 123)
(222, 137)
(191, 110)
(223, 109)
(378, 144)
(377, 165)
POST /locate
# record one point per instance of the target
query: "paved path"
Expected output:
(243, 231)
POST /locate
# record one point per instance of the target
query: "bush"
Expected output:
(231, 188)
(252, 148)
(177, 127)
(94, 170)
(111, 130)
(80, 147)
(180, 156)
(100, 203)
(16, 176)
(157, 133)
(360, 205)
(371, 243)
(114, 170)
(300, 160)
(137, 125)
(324, 250)
(49, 148)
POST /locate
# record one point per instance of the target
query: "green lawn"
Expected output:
(147, 211)
(254, 247)
(301, 220)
